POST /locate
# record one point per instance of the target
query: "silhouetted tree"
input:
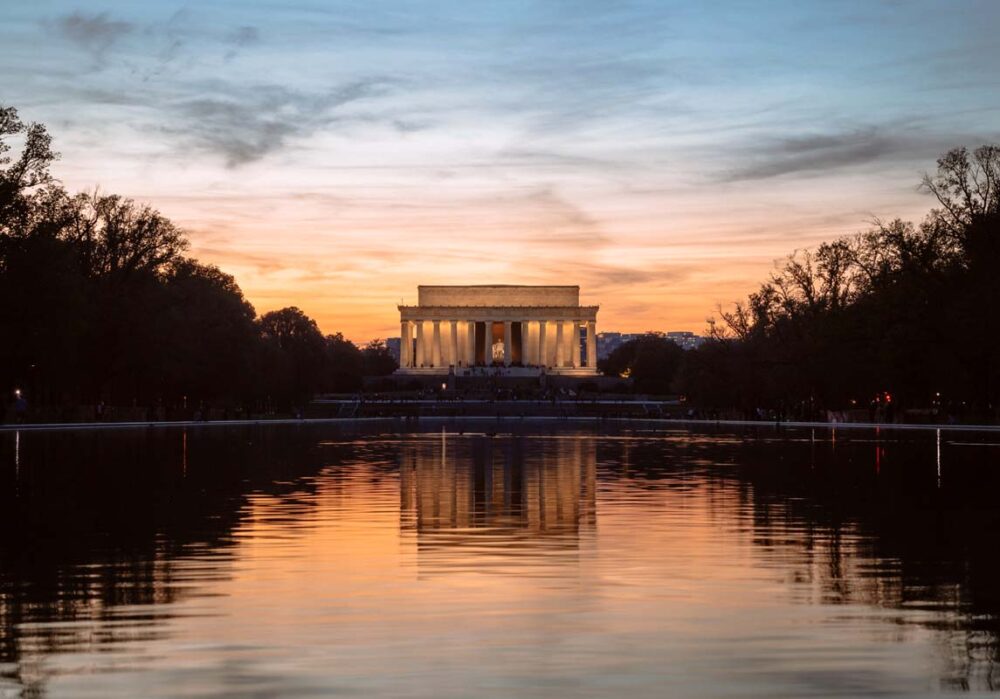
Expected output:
(296, 352)
(210, 333)
(98, 302)
(651, 361)
(966, 187)
(21, 177)
(902, 311)
(45, 314)
(377, 360)
(345, 365)
(118, 238)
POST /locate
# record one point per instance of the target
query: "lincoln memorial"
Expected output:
(525, 329)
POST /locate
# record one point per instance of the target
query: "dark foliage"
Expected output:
(346, 364)
(99, 304)
(651, 361)
(376, 359)
(899, 317)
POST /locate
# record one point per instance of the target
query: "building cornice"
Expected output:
(498, 313)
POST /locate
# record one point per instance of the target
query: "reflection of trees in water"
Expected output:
(94, 527)
(860, 521)
(864, 521)
(460, 489)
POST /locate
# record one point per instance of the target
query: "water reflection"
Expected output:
(94, 527)
(299, 561)
(912, 538)
(497, 498)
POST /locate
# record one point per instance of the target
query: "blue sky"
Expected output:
(660, 154)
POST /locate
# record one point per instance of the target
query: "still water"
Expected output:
(530, 562)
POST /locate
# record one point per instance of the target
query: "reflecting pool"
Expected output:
(494, 560)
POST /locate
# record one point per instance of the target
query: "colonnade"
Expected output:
(548, 343)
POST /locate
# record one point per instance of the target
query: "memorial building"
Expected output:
(523, 330)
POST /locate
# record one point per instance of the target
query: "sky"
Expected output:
(662, 155)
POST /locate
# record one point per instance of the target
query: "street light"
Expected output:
(17, 392)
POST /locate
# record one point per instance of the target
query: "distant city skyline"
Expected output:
(332, 155)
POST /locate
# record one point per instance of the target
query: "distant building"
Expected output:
(687, 340)
(393, 344)
(608, 342)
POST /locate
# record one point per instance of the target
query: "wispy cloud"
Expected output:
(244, 124)
(240, 38)
(95, 33)
(542, 218)
(812, 154)
(819, 152)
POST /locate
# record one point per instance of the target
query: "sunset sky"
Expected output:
(662, 155)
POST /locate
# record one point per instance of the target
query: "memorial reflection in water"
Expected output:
(458, 490)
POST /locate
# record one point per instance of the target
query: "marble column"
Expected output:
(404, 343)
(543, 348)
(560, 344)
(421, 350)
(445, 345)
(487, 357)
(454, 342)
(411, 358)
(470, 344)
(507, 336)
(525, 344)
(575, 336)
(436, 346)
(592, 344)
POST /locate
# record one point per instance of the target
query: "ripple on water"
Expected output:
(310, 561)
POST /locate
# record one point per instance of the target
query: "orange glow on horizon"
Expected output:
(350, 272)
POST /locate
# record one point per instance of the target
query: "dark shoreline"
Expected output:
(503, 419)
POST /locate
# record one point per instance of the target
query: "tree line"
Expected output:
(100, 303)
(901, 317)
